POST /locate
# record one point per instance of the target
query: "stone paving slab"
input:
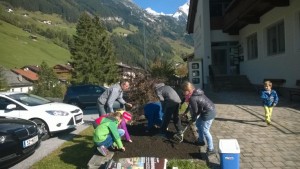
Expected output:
(241, 116)
(98, 161)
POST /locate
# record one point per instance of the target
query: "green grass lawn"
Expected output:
(77, 152)
(17, 49)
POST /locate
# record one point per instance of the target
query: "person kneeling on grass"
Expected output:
(107, 134)
(126, 118)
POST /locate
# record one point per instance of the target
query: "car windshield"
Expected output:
(29, 99)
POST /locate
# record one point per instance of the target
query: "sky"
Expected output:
(165, 6)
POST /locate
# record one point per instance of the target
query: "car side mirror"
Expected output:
(11, 106)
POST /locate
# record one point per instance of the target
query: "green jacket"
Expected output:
(108, 126)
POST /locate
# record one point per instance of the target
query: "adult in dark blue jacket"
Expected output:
(170, 102)
(153, 113)
(203, 112)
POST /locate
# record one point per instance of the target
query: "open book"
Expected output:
(138, 163)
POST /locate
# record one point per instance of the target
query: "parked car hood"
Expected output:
(56, 106)
(10, 124)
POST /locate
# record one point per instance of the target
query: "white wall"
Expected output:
(202, 36)
(283, 66)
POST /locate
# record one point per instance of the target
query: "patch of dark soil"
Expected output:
(151, 145)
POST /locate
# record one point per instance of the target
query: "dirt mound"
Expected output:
(151, 145)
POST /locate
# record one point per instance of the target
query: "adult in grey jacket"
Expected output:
(170, 102)
(107, 99)
(203, 112)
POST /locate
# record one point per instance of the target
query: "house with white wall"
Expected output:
(256, 38)
(16, 82)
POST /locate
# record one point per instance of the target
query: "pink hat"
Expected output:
(127, 116)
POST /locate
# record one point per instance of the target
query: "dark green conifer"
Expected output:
(92, 54)
(47, 84)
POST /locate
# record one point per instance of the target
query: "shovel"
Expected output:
(178, 137)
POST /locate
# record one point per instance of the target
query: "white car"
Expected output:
(50, 116)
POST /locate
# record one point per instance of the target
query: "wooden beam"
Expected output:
(278, 3)
(250, 20)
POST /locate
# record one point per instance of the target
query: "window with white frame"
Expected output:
(252, 46)
(275, 38)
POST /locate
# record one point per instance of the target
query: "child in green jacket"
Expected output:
(108, 135)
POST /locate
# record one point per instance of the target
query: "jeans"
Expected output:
(104, 109)
(203, 131)
(108, 142)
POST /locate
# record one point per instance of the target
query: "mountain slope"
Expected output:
(133, 31)
(18, 49)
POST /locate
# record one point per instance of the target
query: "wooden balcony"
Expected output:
(216, 23)
(243, 12)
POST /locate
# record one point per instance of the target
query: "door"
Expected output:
(219, 61)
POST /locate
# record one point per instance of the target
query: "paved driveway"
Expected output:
(241, 116)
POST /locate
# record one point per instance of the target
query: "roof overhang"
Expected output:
(240, 13)
(191, 16)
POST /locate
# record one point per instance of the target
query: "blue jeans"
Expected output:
(104, 109)
(108, 142)
(203, 131)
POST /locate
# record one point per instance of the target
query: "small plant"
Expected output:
(190, 164)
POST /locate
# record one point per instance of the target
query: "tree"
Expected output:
(92, 54)
(47, 84)
(3, 83)
(181, 70)
(162, 69)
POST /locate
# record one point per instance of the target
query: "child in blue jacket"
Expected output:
(270, 100)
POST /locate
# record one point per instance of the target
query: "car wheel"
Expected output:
(43, 129)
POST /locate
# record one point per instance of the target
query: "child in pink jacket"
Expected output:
(126, 118)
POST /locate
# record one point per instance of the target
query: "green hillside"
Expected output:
(18, 49)
(55, 22)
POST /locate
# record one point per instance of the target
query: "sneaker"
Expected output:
(112, 147)
(210, 152)
(102, 150)
(200, 143)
